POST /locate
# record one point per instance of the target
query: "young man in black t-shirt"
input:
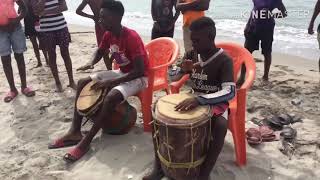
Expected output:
(211, 73)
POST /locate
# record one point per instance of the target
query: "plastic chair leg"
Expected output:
(240, 144)
(239, 129)
(146, 113)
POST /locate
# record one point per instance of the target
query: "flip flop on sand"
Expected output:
(254, 136)
(74, 154)
(288, 133)
(277, 122)
(267, 134)
(10, 96)
(274, 123)
(288, 139)
(60, 143)
(28, 92)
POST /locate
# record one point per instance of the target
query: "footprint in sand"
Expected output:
(253, 109)
(37, 160)
(313, 70)
(278, 73)
(284, 68)
(285, 90)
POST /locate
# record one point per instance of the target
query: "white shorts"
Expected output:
(127, 89)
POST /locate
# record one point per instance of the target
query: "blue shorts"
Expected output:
(15, 41)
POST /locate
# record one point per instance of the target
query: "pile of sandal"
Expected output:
(267, 127)
(278, 122)
(256, 136)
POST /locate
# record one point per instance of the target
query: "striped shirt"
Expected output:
(52, 22)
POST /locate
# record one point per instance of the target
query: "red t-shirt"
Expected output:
(125, 49)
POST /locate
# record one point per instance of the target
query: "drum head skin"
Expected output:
(88, 97)
(165, 110)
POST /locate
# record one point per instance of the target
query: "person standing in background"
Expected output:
(311, 25)
(163, 18)
(12, 38)
(29, 30)
(260, 28)
(191, 10)
(54, 30)
(95, 6)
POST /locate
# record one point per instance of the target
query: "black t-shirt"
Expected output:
(319, 28)
(208, 79)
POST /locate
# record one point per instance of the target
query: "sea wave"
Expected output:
(287, 39)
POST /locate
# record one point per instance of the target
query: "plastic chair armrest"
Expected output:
(249, 79)
(181, 82)
(161, 66)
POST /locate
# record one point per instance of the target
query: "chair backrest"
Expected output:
(162, 51)
(239, 55)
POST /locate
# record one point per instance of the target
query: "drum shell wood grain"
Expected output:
(175, 142)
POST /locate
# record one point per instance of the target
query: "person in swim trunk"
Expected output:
(311, 25)
(260, 28)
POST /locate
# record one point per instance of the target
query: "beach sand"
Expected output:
(27, 125)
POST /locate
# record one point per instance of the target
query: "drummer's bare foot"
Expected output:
(59, 88)
(72, 85)
(155, 174)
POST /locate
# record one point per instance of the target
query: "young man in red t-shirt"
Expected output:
(127, 49)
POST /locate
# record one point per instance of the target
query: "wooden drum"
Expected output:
(182, 138)
(89, 103)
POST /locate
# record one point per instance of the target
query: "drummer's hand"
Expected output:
(85, 67)
(187, 66)
(102, 84)
(187, 104)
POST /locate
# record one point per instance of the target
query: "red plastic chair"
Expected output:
(162, 53)
(237, 105)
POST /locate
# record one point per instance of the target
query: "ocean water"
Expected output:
(290, 36)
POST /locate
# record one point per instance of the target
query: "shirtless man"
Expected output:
(162, 15)
(95, 8)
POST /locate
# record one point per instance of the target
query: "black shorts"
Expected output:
(49, 40)
(253, 40)
(156, 34)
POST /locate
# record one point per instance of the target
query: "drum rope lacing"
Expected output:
(173, 165)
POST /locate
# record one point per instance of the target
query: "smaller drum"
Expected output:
(89, 104)
(89, 100)
(182, 138)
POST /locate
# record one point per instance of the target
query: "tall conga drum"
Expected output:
(89, 104)
(182, 138)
